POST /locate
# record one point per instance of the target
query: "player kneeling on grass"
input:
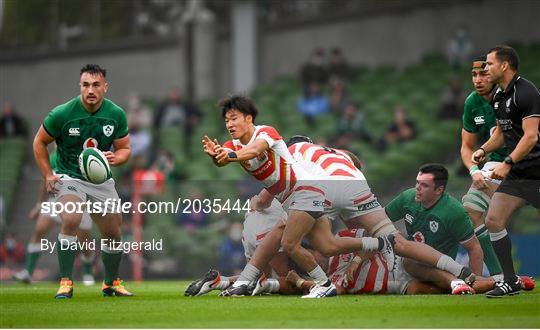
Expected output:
(368, 274)
(257, 225)
(88, 120)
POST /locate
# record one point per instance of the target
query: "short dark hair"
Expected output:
(440, 173)
(297, 139)
(506, 53)
(240, 103)
(93, 69)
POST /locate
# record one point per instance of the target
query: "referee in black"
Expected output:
(516, 103)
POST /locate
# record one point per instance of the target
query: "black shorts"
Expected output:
(523, 183)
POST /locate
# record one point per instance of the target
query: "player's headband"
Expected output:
(479, 63)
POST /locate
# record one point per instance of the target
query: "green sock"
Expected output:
(66, 258)
(31, 259)
(490, 258)
(111, 261)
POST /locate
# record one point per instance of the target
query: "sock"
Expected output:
(272, 285)
(450, 265)
(66, 255)
(249, 274)
(223, 284)
(503, 247)
(490, 258)
(34, 251)
(318, 275)
(111, 261)
(370, 244)
(87, 262)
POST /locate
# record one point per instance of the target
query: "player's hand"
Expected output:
(34, 212)
(51, 181)
(222, 157)
(478, 156)
(210, 146)
(111, 157)
(349, 273)
(479, 181)
(500, 171)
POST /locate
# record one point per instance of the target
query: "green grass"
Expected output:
(162, 305)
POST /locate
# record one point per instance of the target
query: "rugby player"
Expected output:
(86, 120)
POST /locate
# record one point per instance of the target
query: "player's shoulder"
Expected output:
(113, 107)
(65, 107)
(525, 88)
(452, 205)
(408, 195)
(472, 101)
(267, 130)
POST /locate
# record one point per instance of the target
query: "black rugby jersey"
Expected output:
(520, 100)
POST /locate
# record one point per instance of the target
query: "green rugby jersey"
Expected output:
(479, 118)
(443, 226)
(74, 128)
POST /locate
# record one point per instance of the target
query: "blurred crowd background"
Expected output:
(384, 79)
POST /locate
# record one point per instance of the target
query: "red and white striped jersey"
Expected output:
(371, 277)
(325, 161)
(275, 168)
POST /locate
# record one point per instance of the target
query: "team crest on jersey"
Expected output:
(419, 237)
(90, 143)
(108, 130)
(433, 226)
(408, 218)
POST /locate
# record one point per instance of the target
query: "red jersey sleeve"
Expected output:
(229, 145)
(269, 134)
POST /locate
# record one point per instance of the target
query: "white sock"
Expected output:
(66, 240)
(249, 274)
(33, 247)
(272, 285)
(450, 265)
(318, 275)
(223, 284)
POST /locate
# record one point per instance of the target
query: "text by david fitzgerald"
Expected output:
(104, 243)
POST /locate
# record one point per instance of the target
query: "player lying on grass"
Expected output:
(261, 151)
(347, 197)
(365, 273)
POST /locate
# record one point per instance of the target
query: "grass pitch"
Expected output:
(162, 305)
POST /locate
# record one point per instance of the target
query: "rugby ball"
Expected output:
(94, 166)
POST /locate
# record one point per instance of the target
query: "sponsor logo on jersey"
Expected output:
(246, 164)
(433, 226)
(479, 120)
(318, 203)
(74, 131)
(108, 130)
(368, 206)
(408, 218)
(419, 237)
(72, 188)
(90, 143)
(262, 156)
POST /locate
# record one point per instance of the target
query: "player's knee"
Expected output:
(476, 200)
(289, 246)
